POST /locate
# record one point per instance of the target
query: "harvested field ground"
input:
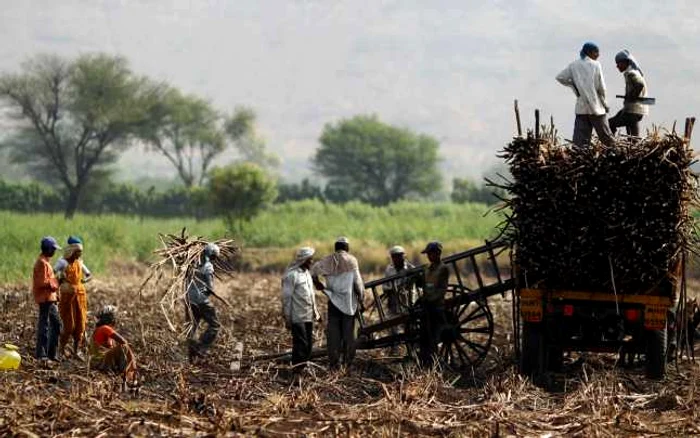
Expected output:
(381, 396)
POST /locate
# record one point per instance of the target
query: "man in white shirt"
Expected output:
(585, 77)
(345, 290)
(398, 293)
(299, 304)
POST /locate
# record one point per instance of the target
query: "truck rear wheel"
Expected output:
(532, 355)
(656, 354)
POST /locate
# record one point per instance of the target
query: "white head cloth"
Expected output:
(397, 250)
(302, 255)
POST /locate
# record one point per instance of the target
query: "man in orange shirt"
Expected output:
(45, 287)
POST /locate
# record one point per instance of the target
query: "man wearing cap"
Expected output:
(435, 282)
(585, 77)
(632, 111)
(200, 286)
(299, 304)
(45, 289)
(345, 291)
(397, 291)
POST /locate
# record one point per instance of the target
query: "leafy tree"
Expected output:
(29, 197)
(74, 117)
(465, 190)
(186, 130)
(367, 160)
(337, 193)
(298, 191)
(240, 129)
(240, 191)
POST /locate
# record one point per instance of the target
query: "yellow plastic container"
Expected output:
(9, 357)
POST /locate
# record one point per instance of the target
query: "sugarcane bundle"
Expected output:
(615, 219)
(179, 258)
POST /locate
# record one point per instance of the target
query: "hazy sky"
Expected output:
(448, 68)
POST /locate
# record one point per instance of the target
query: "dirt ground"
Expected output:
(380, 396)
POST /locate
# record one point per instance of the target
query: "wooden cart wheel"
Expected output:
(467, 335)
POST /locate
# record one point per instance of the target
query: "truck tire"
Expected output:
(555, 359)
(656, 354)
(532, 357)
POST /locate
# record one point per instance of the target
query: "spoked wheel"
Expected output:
(467, 335)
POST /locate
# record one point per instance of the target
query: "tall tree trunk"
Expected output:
(72, 202)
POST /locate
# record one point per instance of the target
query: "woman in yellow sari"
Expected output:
(73, 274)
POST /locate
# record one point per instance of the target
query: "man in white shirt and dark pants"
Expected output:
(345, 290)
(299, 304)
(585, 77)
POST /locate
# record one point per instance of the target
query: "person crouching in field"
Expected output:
(199, 306)
(345, 291)
(45, 288)
(109, 351)
(299, 305)
(72, 276)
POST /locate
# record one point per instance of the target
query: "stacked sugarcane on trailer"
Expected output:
(598, 239)
(600, 236)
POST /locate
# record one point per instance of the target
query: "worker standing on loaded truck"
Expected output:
(585, 77)
(632, 110)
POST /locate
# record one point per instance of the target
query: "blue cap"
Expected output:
(49, 243)
(587, 49)
(432, 247)
(74, 239)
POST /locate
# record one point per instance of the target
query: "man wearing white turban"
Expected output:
(299, 304)
(632, 110)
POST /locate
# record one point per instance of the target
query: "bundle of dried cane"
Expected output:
(179, 258)
(600, 218)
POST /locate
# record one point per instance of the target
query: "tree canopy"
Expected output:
(367, 160)
(186, 130)
(74, 116)
(191, 134)
(238, 192)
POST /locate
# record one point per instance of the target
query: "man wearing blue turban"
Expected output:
(585, 77)
(632, 110)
